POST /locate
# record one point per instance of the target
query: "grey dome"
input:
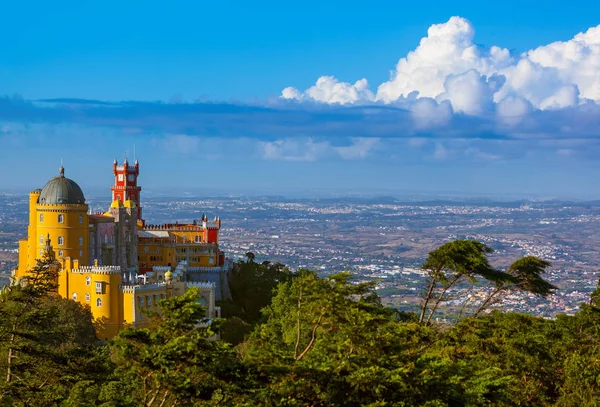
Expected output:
(61, 190)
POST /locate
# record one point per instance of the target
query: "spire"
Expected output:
(48, 241)
(62, 171)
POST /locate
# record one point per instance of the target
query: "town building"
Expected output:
(115, 262)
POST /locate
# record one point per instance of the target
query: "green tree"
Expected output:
(526, 276)
(174, 360)
(451, 264)
(252, 286)
(329, 342)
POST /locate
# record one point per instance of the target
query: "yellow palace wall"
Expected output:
(68, 233)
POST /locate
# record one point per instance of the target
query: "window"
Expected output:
(87, 297)
(99, 302)
(61, 218)
(80, 218)
(88, 281)
(98, 287)
(120, 177)
(41, 217)
(41, 239)
(141, 301)
(130, 177)
(61, 240)
(197, 239)
(211, 260)
(105, 238)
(149, 301)
(74, 296)
(60, 253)
(80, 253)
(80, 240)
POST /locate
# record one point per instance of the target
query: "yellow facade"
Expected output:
(67, 227)
(117, 296)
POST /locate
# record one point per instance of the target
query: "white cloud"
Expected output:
(293, 150)
(307, 149)
(513, 109)
(448, 65)
(470, 92)
(329, 90)
(179, 144)
(427, 113)
(481, 155)
(565, 152)
(360, 148)
(440, 152)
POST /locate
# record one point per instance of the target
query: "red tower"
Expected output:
(126, 187)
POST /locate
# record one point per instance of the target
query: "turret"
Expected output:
(125, 187)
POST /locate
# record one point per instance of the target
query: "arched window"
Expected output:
(99, 302)
(41, 217)
(61, 218)
(61, 240)
(80, 253)
(60, 253)
(74, 296)
(88, 280)
(80, 240)
(80, 218)
(105, 238)
(87, 297)
(41, 239)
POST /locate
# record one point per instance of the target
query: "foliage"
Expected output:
(314, 341)
(174, 361)
(461, 262)
(252, 285)
(48, 343)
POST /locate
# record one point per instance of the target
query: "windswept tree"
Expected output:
(525, 276)
(451, 264)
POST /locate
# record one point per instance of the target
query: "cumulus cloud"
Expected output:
(448, 65)
(329, 90)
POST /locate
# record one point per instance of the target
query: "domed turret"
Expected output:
(61, 190)
(116, 204)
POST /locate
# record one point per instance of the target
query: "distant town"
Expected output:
(383, 239)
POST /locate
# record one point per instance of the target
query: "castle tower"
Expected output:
(126, 187)
(57, 212)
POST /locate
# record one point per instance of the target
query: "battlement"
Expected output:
(217, 269)
(130, 288)
(204, 284)
(130, 168)
(97, 269)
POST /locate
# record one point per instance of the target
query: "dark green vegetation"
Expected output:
(316, 342)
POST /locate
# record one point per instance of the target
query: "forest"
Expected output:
(298, 339)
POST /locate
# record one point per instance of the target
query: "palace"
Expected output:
(114, 261)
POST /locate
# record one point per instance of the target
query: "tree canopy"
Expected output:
(309, 340)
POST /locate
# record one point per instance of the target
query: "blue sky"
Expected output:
(505, 112)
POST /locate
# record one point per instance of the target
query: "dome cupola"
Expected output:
(61, 191)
